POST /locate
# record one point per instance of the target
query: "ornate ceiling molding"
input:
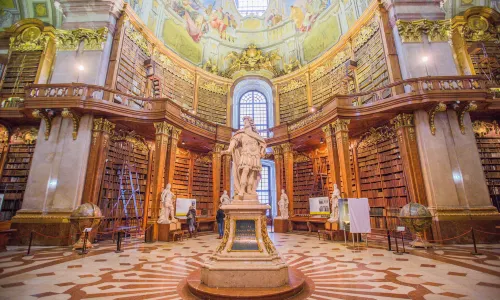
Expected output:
(69, 40)
(252, 59)
(411, 31)
(376, 135)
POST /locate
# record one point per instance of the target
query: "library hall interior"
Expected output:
(249, 149)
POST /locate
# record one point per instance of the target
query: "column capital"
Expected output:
(403, 120)
(341, 125)
(287, 147)
(277, 150)
(163, 128)
(176, 132)
(218, 148)
(327, 129)
(103, 125)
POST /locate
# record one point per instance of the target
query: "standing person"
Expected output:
(220, 221)
(191, 221)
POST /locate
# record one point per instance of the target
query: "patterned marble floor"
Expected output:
(153, 271)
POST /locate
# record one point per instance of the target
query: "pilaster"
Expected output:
(216, 175)
(278, 168)
(101, 131)
(340, 127)
(288, 162)
(407, 140)
(333, 158)
(163, 132)
(172, 150)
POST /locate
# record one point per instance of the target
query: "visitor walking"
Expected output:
(220, 221)
(191, 221)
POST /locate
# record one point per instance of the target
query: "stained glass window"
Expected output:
(254, 104)
(251, 7)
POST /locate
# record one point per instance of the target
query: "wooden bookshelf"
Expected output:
(293, 104)
(14, 178)
(173, 85)
(212, 106)
(485, 58)
(20, 71)
(302, 184)
(327, 85)
(381, 176)
(202, 185)
(125, 177)
(131, 77)
(488, 146)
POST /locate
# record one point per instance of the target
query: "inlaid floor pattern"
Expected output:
(153, 271)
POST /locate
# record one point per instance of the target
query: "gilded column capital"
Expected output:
(327, 130)
(101, 124)
(470, 106)
(287, 148)
(163, 128)
(411, 31)
(341, 125)
(218, 148)
(403, 120)
(439, 107)
(176, 132)
(277, 150)
(47, 117)
(75, 117)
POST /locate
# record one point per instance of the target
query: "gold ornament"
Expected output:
(30, 39)
(483, 128)
(47, 118)
(75, 117)
(440, 107)
(252, 59)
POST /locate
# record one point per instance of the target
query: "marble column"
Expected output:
(163, 132)
(333, 158)
(101, 132)
(340, 127)
(407, 141)
(171, 154)
(56, 180)
(454, 180)
(288, 162)
(278, 169)
(216, 175)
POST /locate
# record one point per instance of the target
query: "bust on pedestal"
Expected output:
(246, 257)
(224, 199)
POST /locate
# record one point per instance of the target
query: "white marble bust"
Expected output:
(224, 199)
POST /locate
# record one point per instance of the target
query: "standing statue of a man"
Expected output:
(224, 199)
(167, 215)
(283, 205)
(334, 200)
(247, 147)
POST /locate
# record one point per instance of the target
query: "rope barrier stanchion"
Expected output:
(474, 243)
(403, 241)
(389, 240)
(29, 245)
(84, 248)
(397, 248)
(119, 242)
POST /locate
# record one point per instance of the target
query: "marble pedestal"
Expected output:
(281, 225)
(246, 257)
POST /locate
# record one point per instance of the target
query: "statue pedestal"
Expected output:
(246, 257)
(165, 229)
(280, 225)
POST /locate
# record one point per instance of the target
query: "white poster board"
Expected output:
(1, 200)
(359, 215)
(319, 206)
(182, 206)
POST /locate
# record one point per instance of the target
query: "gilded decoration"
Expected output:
(211, 66)
(305, 121)
(364, 34)
(218, 148)
(483, 128)
(252, 59)
(162, 59)
(327, 130)
(138, 39)
(215, 88)
(30, 39)
(225, 238)
(75, 118)
(197, 122)
(45, 116)
(287, 147)
(204, 159)
(4, 135)
(300, 157)
(163, 128)
(376, 135)
(132, 137)
(291, 85)
(341, 125)
(470, 106)
(292, 65)
(411, 31)
(277, 151)
(103, 125)
(70, 39)
(26, 136)
(175, 133)
(440, 107)
(265, 237)
(233, 223)
(402, 120)
(479, 29)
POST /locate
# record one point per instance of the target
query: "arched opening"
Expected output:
(254, 104)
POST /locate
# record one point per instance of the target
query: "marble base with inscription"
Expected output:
(246, 257)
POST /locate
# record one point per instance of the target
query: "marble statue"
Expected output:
(167, 215)
(247, 147)
(283, 205)
(224, 199)
(334, 201)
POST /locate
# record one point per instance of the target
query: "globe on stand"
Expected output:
(87, 215)
(417, 218)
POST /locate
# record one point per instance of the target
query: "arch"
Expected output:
(245, 85)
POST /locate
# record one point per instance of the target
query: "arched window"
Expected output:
(254, 104)
(251, 7)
